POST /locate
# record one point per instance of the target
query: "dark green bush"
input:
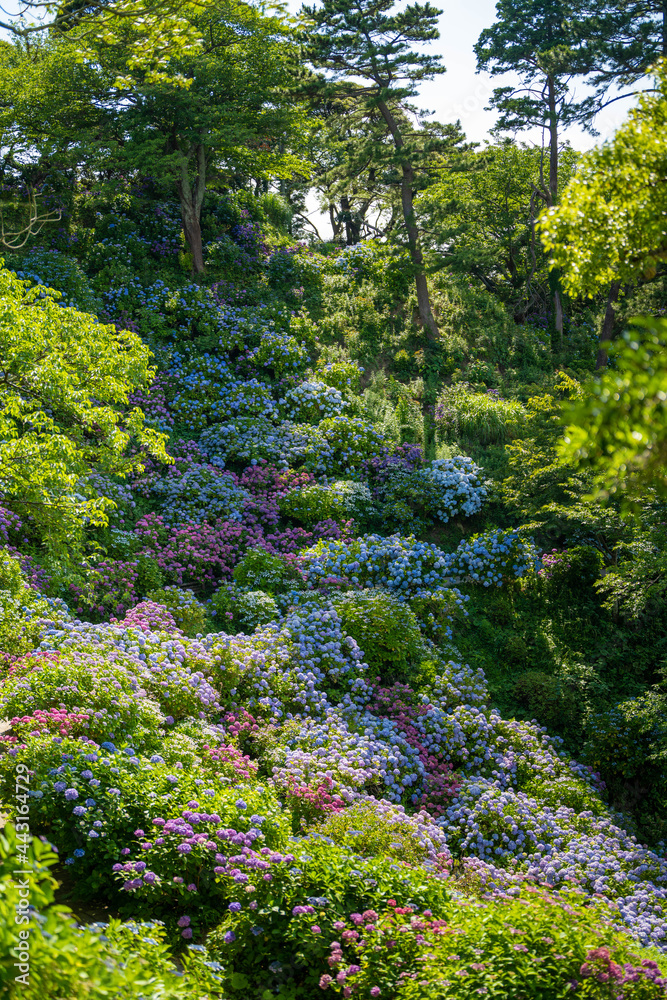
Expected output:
(571, 571)
(628, 746)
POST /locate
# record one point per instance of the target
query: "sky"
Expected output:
(463, 94)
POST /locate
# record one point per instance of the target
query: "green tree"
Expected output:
(99, 112)
(609, 225)
(367, 41)
(480, 221)
(348, 153)
(235, 116)
(537, 40)
(65, 382)
(618, 429)
(627, 37)
(159, 29)
(56, 124)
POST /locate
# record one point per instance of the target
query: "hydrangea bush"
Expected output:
(252, 721)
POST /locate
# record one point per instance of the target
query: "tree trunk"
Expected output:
(191, 196)
(553, 190)
(426, 317)
(407, 184)
(607, 331)
(335, 224)
(352, 225)
(558, 315)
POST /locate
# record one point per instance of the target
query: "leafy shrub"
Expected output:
(377, 829)
(20, 627)
(344, 375)
(278, 355)
(225, 254)
(534, 946)
(40, 680)
(386, 629)
(564, 791)
(110, 588)
(56, 270)
(628, 746)
(188, 613)
(312, 401)
(294, 267)
(436, 611)
(341, 500)
(546, 697)
(276, 938)
(162, 312)
(256, 608)
(150, 577)
(11, 578)
(571, 571)
(237, 609)
(376, 262)
(486, 418)
(440, 491)
(65, 959)
(352, 441)
(259, 570)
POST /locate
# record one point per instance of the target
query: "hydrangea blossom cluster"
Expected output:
(438, 491)
(201, 400)
(459, 479)
(312, 401)
(552, 561)
(335, 446)
(408, 566)
(557, 845)
(200, 493)
(496, 557)
(372, 758)
(350, 738)
(150, 617)
(200, 754)
(245, 439)
(286, 668)
(153, 403)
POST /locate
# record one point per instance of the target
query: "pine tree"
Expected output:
(367, 41)
(539, 40)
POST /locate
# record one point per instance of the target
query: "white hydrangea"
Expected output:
(463, 490)
(313, 401)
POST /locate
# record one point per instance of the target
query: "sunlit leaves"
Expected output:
(611, 223)
(619, 429)
(65, 381)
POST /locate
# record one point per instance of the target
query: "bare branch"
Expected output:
(36, 221)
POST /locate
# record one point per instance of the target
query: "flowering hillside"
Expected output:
(237, 687)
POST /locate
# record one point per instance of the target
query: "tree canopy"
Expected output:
(609, 225)
(618, 428)
(65, 383)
